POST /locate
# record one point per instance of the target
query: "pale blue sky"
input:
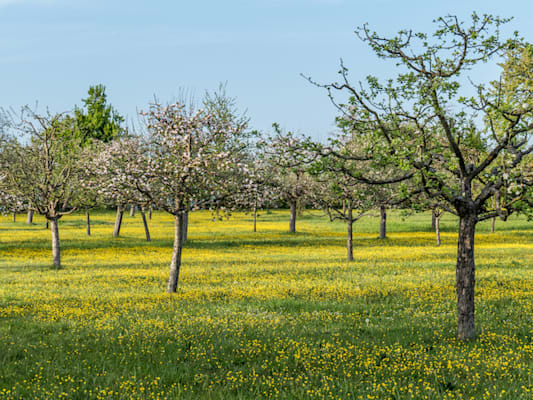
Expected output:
(52, 50)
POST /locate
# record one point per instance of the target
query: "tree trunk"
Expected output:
(185, 226)
(14, 217)
(150, 213)
(132, 210)
(349, 226)
(465, 277)
(29, 218)
(46, 224)
(146, 230)
(118, 221)
(433, 220)
(437, 229)
(255, 219)
(56, 254)
(292, 225)
(176, 254)
(88, 222)
(383, 222)
(492, 223)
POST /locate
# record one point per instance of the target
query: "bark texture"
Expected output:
(292, 225)
(88, 222)
(437, 229)
(56, 252)
(175, 263)
(29, 218)
(465, 277)
(145, 223)
(383, 222)
(118, 221)
(349, 226)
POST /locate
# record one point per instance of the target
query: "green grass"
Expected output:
(264, 315)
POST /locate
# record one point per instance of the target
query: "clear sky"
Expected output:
(52, 50)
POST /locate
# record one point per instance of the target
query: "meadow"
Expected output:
(262, 315)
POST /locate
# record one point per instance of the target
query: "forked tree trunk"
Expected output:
(185, 226)
(14, 217)
(383, 222)
(292, 225)
(176, 254)
(492, 224)
(118, 221)
(437, 229)
(29, 218)
(88, 222)
(349, 226)
(255, 219)
(465, 277)
(146, 230)
(132, 210)
(56, 253)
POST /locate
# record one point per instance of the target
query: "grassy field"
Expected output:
(264, 315)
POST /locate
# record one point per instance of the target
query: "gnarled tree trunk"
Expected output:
(88, 222)
(437, 228)
(118, 221)
(146, 230)
(175, 263)
(349, 226)
(465, 277)
(56, 253)
(292, 224)
(383, 222)
(29, 218)
(255, 218)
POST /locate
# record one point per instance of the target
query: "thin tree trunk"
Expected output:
(383, 222)
(132, 210)
(437, 229)
(146, 230)
(492, 224)
(433, 220)
(465, 277)
(29, 218)
(349, 226)
(88, 222)
(185, 229)
(175, 263)
(56, 253)
(255, 219)
(14, 217)
(150, 213)
(292, 225)
(46, 224)
(118, 221)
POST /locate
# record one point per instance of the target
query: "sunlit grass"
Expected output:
(261, 315)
